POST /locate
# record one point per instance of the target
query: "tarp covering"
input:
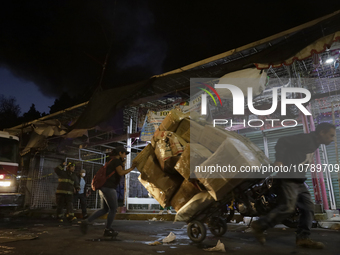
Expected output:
(316, 47)
(104, 104)
(250, 77)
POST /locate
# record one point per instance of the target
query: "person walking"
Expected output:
(108, 192)
(295, 151)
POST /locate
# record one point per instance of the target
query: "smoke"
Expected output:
(62, 45)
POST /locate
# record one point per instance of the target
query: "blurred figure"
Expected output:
(295, 151)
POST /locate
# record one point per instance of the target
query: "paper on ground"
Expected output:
(219, 247)
(171, 237)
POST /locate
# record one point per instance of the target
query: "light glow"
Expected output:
(330, 60)
(5, 184)
(2, 176)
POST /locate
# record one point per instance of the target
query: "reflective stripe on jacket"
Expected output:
(67, 181)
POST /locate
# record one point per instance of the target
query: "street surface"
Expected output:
(134, 236)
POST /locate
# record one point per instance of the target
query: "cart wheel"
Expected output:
(196, 231)
(217, 226)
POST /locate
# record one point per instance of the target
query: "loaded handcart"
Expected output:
(167, 166)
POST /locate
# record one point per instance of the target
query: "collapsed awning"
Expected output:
(318, 46)
(39, 131)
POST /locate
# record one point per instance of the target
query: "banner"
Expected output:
(154, 118)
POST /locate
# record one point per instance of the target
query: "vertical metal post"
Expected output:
(320, 174)
(136, 126)
(128, 164)
(96, 203)
(329, 179)
(316, 188)
(336, 144)
(265, 143)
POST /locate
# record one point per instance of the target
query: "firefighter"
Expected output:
(67, 185)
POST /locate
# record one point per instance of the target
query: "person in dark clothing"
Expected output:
(67, 185)
(108, 192)
(82, 193)
(294, 151)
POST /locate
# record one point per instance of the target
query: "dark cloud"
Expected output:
(62, 45)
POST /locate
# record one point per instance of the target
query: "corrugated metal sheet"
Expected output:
(332, 160)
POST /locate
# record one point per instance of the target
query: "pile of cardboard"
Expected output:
(158, 160)
(167, 165)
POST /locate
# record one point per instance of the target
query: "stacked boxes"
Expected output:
(181, 145)
(158, 173)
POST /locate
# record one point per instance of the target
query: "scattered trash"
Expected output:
(38, 225)
(99, 224)
(7, 239)
(153, 219)
(155, 243)
(233, 221)
(6, 250)
(336, 226)
(160, 251)
(241, 223)
(170, 238)
(247, 220)
(219, 247)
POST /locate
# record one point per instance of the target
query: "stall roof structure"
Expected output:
(164, 88)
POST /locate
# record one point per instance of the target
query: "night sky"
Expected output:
(48, 47)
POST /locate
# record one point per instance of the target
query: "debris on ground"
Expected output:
(170, 238)
(219, 247)
(153, 219)
(155, 243)
(336, 226)
(98, 224)
(7, 239)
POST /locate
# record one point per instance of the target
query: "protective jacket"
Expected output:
(67, 180)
